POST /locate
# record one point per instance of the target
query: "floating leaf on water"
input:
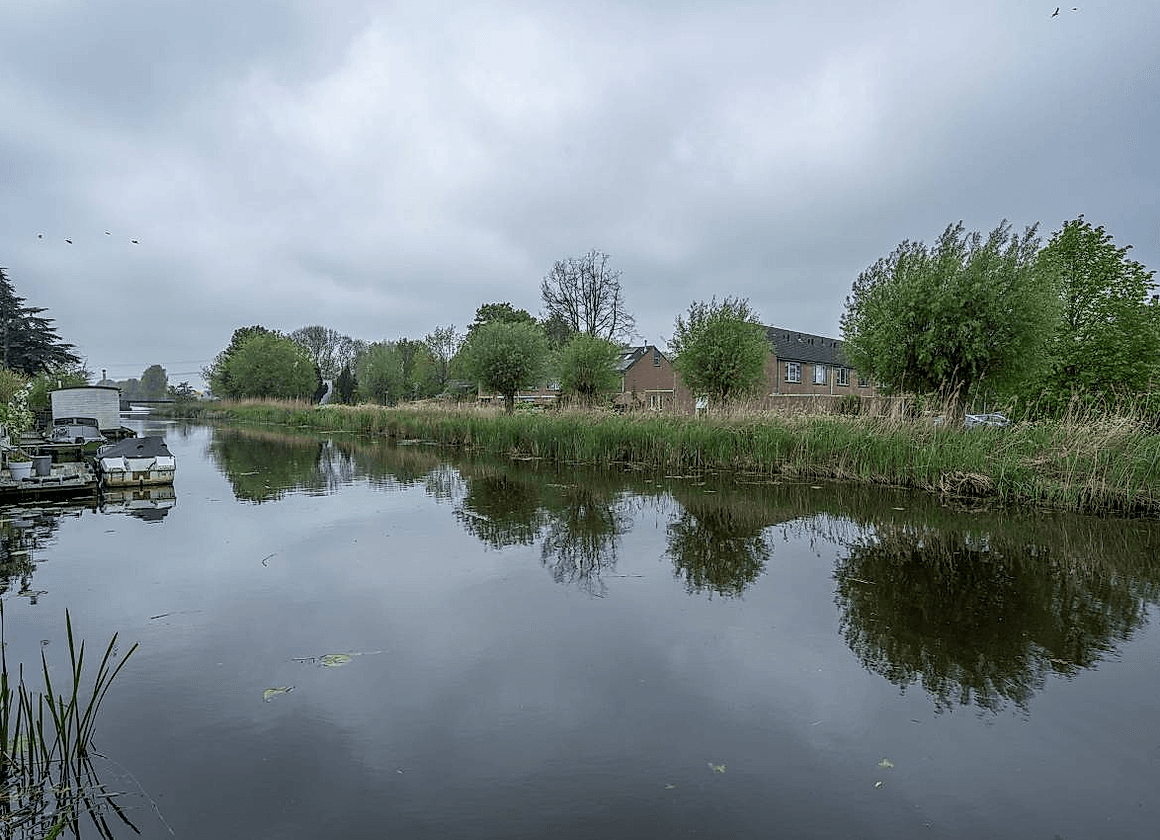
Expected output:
(670, 787)
(271, 693)
(878, 784)
(333, 660)
(886, 764)
(717, 768)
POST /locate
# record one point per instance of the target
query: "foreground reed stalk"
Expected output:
(1091, 463)
(47, 780)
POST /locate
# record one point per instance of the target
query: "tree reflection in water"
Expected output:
(499, 509)
(982, 616)
(582, 535)
(23, 530)
(979, 608)
(717, 544)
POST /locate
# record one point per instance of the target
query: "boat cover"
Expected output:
(150, 446)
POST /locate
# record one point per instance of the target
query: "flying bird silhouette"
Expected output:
(69, 241)
(134, 241)
(40, 236)
(108, 234)
(1056, 12)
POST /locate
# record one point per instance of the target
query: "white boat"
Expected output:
(134, 462)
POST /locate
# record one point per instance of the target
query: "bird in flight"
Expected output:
(40, 236)
(108, 234)
(69, 241)
(1056, 12)
(134, 241)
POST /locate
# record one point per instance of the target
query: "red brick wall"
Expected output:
(651, 382)
(778, 380)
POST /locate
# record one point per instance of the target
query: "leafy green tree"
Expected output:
(586, 367)
(1107, 339)
(442, 343)
(506, 356)
(505, 312)
(557, 331)
(380, 374)
(154, 383)
(419, 373)
(267, 365)
(720, 349)
(45, 383)
(218, 373)
(952, 317)
(346, 385)
(28, 341)
(182, 393)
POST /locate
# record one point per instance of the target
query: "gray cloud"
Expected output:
(386, 169)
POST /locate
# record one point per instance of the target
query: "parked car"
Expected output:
(997, 420)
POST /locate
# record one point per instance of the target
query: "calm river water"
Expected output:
(342, 638)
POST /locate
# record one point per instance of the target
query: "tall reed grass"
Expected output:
(1084, 461)
(47, 779)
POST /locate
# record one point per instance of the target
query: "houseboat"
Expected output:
(135, 462)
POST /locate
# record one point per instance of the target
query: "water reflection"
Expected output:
(24, 530)
(581, 538)
(718, 543)
(977, 607)
(501, 510)
(979, 610)
(150, 504)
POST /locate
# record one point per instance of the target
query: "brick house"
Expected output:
(807, 364)
(647, 380)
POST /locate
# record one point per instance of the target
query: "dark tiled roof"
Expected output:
(797, 346)
(629, 356)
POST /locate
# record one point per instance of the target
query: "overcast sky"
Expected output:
(385, 168)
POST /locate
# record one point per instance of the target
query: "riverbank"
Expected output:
(1093, 464)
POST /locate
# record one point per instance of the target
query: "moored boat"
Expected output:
(134, 462)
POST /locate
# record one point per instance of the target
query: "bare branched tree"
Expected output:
(329, 348)
(585, 293)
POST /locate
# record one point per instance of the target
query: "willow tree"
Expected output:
(968, 312)
(506, 357)
(720, 349)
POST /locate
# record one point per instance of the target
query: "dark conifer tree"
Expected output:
(28, 341)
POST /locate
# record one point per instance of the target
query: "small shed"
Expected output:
(101, 402)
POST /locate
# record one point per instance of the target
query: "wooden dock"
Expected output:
(70, 478)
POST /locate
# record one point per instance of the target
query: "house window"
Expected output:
(863, 382)
(843, 376)
(656, 359)
(819, 374)
(656, 402)
(793, 372)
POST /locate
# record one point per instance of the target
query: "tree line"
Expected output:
(972, 319)
(968, 320)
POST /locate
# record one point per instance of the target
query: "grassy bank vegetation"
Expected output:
(1090, 462)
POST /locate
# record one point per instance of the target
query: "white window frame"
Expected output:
(819, 374)
(843, 376)
(793, 372)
